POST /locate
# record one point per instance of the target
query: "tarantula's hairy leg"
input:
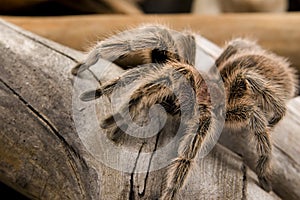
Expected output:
(138, 108)
(166, 85)
(236, 46)
(190, 146)
(159, 86)
(267, 97)
(103, 90)
(252, 117)
(144, 98)
(258, 125)
(152, 89)
(126, 78)
(146, 44)
(186, 47)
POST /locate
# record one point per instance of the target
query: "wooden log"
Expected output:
(277, 32)
(43, 156)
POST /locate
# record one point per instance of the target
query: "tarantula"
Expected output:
(257, 85)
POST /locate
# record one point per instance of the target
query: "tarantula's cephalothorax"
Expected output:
(257, 86)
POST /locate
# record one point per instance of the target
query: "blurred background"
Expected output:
(78, 24)
(69, 7)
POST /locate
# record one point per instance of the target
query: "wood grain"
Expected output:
(39, 155)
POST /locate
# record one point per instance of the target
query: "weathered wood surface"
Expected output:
(278, 32)
(42, 156)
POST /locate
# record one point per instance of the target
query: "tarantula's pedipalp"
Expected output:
(257, 86)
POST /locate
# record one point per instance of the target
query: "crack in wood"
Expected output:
(131, 192)
(141, 194)
(46, 123)
(244, 188)
(73, 166)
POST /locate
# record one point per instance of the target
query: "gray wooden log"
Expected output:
(43, 156)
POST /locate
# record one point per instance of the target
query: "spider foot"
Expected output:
(265, 183)
(115, 132)
(134, 124)
(115, 135)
